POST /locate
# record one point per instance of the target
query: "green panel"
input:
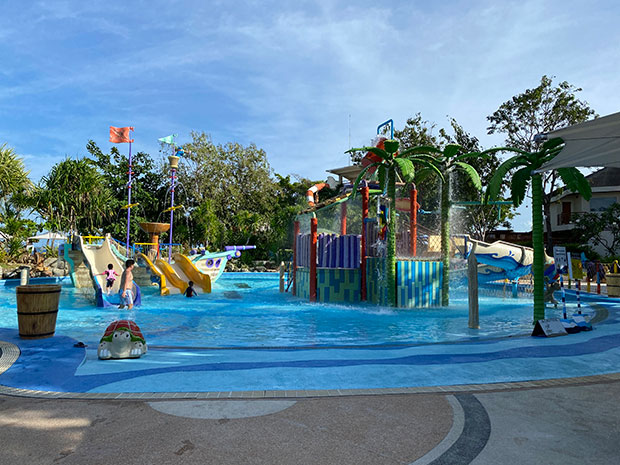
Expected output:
(376, 281)
(338, 284)
(302, 283)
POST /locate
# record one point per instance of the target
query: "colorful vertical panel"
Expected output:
(418, 283)
(338, 285)
(302, 283)
(376, 288)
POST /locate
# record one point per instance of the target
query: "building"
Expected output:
(566, 206)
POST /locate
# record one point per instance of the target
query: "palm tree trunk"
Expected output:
(445, 241)
(538, 267)
(391, 245)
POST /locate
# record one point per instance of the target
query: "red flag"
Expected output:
(120, 135)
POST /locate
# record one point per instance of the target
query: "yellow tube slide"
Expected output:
(172, 274)
(189, 269)
(163, 289)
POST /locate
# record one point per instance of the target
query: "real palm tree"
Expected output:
(391, 165)
(526, 164)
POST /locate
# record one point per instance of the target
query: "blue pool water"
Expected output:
(246, 310)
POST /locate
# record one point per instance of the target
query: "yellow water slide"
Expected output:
(174, 274)
(189, 269)
(163, 287)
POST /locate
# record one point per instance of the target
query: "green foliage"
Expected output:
(73, 197)
(600, 229)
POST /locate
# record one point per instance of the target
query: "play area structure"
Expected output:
(90, 256)
(340, 247)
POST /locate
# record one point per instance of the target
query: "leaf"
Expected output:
(495, 183)
(476, 155)
(430, 166)
(420, 149)
(519, 183)
(471, 172)
(576, 181)
(376, 150)
(406, 168)
(381, 173)
(423, 174)
(360, 177)
(451, 150)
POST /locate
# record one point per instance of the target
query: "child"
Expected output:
(190, 292)
(110, 277)
(126, 289)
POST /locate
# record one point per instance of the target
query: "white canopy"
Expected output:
(593, 143)
(48, 236)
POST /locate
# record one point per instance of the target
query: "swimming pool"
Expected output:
(247, 310)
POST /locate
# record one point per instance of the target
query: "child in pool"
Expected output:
(190, 291)
(110, 276)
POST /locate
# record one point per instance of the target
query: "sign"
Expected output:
(550, 327)
(575, 268)
(559, 255)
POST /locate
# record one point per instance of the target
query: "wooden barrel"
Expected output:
(613, 284)
(37, 309)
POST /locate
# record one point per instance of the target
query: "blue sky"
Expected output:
(295, 78)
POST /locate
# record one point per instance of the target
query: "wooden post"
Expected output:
(365, 198)
(343, 218)
(413, 226)
(313, 238)
(295, 234)
(472, 288)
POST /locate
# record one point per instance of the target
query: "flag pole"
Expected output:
(129, 200)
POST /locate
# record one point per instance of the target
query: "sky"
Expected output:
(302, 80)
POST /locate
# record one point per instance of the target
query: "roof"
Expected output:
(605, 177)
(348, 172)
(48, 236)
(593, 143)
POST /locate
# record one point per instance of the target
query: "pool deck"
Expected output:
(519, 400)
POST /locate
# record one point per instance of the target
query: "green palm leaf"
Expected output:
(406, 168)
(360, 177)
(451, 150)
(376, 150)
(420, 149)
(518, 187)
(576, 181)
(495, 183)
(471, 172)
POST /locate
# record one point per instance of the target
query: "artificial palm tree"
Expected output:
(391, 165)
(448, 160)
(528, 163)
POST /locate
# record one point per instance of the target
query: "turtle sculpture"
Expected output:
(122, 339)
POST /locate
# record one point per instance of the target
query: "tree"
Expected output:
(14, 179)
(539, 111)
(73, 196)
(148, 188)
(526, 164)
(391, 165)
(601, 229)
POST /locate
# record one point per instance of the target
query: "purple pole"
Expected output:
(171, 213)
(129, 201)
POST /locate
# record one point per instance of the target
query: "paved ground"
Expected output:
(560, 425)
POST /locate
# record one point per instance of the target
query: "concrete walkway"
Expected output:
(558, 425)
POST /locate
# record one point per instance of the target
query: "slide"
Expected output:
(190, 270)
(97, 257)
(503, 260)
(163, 284)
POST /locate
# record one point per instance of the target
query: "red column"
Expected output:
(413, 227)
(313, 236)
(295, 234)
(343, 218)
(365, 195)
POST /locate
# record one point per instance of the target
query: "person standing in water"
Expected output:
(126, 288)
(190, 291)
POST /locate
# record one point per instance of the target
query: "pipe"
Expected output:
(365, 198)
(343, 218)
(413, 198)
(391, 123)
(129, 201)
(313, 238)
(295, 235)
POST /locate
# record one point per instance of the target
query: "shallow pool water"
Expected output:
(246, 310)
